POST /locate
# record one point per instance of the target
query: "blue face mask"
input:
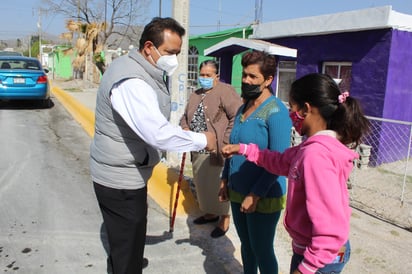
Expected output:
(206, 83)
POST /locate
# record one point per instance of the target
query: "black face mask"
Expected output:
(250, 92)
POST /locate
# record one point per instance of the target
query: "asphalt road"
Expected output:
(49, 219)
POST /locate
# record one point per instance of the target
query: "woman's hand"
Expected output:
(229, 150)
(223, 191)
(249, 203)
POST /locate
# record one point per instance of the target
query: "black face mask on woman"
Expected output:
(250, 92)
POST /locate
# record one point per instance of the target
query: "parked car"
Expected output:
(23, 78)
(10, 53)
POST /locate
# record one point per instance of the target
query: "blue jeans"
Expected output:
(332, 268)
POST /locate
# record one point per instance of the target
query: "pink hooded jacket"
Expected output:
(317, 209)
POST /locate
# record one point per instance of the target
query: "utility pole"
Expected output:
(258, 11)
(179, 79)
(30, 46)
(105, 11)
(40, 46)
(220, 15)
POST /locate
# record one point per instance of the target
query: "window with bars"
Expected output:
(286, 76)
(341, 71)
(192, 69)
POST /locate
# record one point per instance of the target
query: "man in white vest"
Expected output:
(131, 128)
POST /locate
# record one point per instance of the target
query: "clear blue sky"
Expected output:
(18, 18)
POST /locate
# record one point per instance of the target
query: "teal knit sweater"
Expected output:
(269, 127)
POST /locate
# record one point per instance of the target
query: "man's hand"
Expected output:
(211, 141)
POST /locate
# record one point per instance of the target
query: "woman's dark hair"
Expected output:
(322, 92)
(211, 63)
(266, 62)
(155, 29)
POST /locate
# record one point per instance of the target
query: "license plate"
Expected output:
(19, 80)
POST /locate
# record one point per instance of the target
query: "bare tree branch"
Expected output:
(121, 16)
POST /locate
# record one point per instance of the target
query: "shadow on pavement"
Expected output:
(25, 104)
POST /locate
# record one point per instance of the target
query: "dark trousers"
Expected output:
(256, 233)
(125, 218)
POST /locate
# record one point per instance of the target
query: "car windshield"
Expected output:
(10, 53)
(19, 64)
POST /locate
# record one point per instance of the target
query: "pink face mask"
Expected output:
(297, 121)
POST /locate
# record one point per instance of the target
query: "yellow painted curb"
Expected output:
(80, 113)
(162, 185)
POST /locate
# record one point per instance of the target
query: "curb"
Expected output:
(162, 185)
(79, 112)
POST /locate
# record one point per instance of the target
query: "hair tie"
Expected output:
(342, 97)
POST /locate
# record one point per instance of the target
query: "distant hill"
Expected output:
(116, 40)
(13, 43)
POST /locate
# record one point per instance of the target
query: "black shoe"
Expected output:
(145, 262)
(202, 220)
(218, 232)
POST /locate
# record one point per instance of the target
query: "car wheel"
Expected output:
(47, 103)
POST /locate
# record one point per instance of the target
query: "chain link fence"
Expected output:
(381, 183)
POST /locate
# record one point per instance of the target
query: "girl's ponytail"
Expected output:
(349, 122)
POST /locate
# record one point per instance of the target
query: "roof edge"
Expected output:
(246, 44)
(357, 20)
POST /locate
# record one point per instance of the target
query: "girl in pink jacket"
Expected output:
(317, 210)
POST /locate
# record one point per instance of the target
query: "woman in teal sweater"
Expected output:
(257, 196)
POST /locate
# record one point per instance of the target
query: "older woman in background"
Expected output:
(213, 108)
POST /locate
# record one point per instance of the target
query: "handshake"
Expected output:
(211, 145)
(227, 150)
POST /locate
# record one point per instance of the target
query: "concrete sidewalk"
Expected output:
(377, 247)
